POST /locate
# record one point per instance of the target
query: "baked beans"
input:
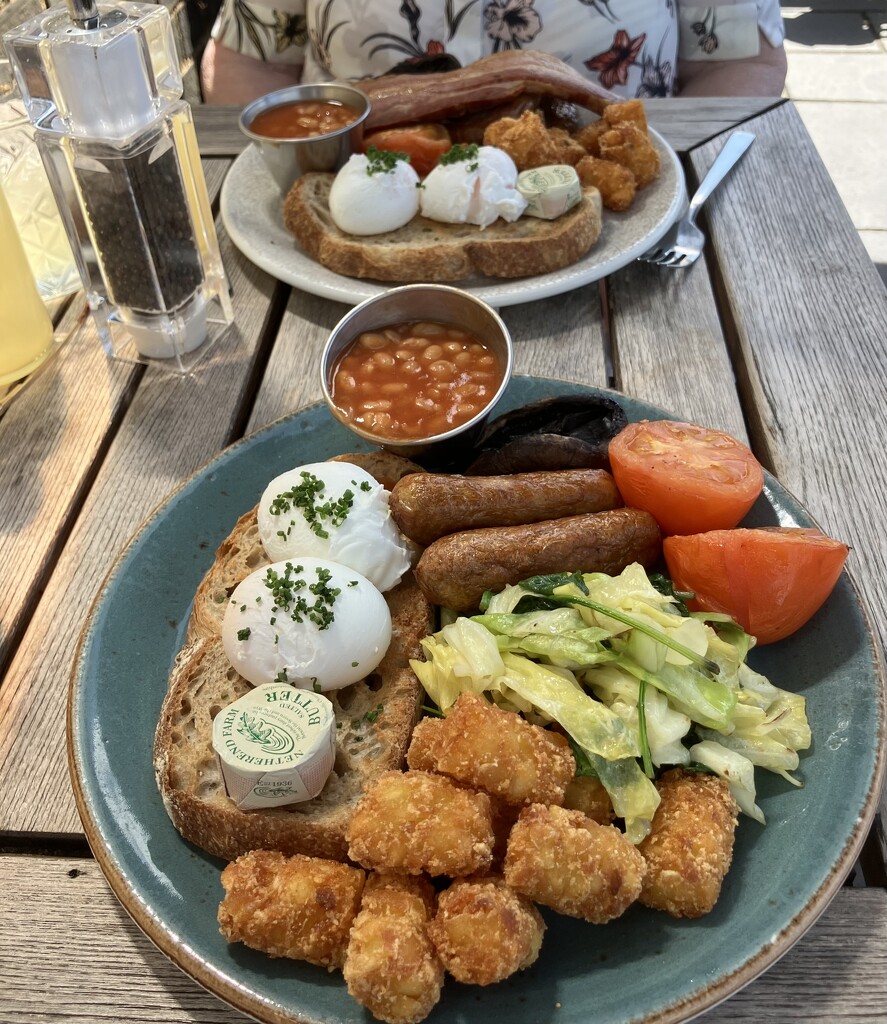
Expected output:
(415, 380)
(303, 119)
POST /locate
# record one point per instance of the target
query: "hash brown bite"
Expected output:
(626, 112)
(391, 966)
(690, 845)
(590, 134)
(616, 184)
(484, 931)
(496, 751)
(627, 145)
(566, 861)
(414, 822)
(297, 907)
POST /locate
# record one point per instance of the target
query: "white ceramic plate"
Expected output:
(251, 212)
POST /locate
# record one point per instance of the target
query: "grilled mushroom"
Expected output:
(567, 432)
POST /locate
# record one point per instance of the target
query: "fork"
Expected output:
(681, 246)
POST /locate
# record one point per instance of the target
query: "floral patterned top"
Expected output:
(628, 46)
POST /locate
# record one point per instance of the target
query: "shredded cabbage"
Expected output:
(737, 771)
(586, 670)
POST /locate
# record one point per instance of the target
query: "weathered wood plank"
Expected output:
(669, 346)
(292, 376)
(806, 311)
(61, 423)
(110, 971)
(52, 439)
(173, 427)
(561, 337)
(685, 123)
(218, 133)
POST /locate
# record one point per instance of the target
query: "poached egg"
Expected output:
(337, 511)
(368, 198)
(476, 189)
(310, 622)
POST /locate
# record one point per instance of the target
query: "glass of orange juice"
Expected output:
(25, 327)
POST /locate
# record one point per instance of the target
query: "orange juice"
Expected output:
(25, 327)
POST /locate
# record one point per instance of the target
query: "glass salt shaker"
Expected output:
(102, 88)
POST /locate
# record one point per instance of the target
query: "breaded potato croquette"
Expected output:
(496, 751)
(391, 966)
(526, 140)
(564, 860)
(298, 907)
(484, 931)
(569, 151)
(690, 845)
(412, 822)
(615, 183)
(626, 112)
(587, 794)
(589, 136)
(627, 145)
(425, 744)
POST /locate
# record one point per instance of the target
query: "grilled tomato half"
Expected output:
(771, 580)
(691, 479)
(424, 144)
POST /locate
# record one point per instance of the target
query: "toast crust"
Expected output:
(427, 250)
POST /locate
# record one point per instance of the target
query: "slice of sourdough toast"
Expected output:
(374, 722)
(428, 250)
(374, 717)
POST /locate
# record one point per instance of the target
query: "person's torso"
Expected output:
(628, 46)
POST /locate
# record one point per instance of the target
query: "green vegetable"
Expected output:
(383, 161)
(621, 617)
(559, 635)
(642, 729)
(633, 795)
(737, 771)
(458, 153)
(628, 677)
(664, 585)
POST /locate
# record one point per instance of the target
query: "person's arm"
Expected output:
(730, 48)
(230, 77)
(763, 75)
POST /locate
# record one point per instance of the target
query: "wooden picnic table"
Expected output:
(776, 336)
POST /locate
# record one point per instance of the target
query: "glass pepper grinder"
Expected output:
(102, 87)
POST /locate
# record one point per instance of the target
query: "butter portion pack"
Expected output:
(275, 745)
(549, 191)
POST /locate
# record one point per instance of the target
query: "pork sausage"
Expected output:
(456, 570)
(427, 506)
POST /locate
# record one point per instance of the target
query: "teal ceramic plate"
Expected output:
(643, 967)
